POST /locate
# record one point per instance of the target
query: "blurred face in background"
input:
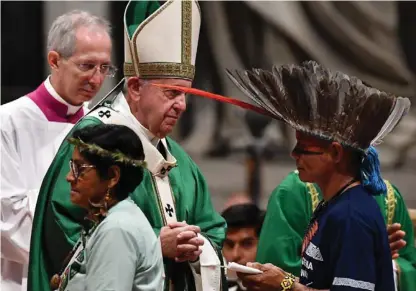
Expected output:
(240, 245)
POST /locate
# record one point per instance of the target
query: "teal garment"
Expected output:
(122, 253)
(57, 222)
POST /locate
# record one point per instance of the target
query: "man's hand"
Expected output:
(180, 242)
(395, 239)
(269, 280)
(188, 246)
(187, 241)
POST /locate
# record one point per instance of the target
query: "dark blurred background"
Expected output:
(237, 151)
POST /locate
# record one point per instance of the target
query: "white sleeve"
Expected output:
(395, 270)
(207, 270)
(17, 202)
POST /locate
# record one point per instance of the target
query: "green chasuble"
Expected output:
(57, 222)
(289, 210)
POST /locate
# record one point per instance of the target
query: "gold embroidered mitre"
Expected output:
(161, 41)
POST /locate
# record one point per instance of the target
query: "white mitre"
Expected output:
(161, 41)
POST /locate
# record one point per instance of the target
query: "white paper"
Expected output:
(243, 269)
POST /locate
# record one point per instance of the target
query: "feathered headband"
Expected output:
(116, 156)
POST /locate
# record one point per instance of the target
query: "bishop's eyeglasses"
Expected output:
(90, 68)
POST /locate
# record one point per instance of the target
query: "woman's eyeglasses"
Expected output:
(78, 169)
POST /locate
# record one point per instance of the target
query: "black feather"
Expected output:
(313, 99)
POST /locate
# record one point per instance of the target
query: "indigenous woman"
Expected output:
(118, 249)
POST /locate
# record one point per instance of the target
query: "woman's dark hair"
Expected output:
(114, 137)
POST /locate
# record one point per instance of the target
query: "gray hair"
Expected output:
(125, 88)
(61, 37)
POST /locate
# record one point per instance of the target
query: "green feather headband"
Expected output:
(117, 156)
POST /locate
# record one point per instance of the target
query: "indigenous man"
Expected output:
(290, 208)
(160, 47)
(33, 127)
(337, 119)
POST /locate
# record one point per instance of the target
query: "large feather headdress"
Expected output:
(314, 100)
(329, 105)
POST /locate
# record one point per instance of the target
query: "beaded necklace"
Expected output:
(56, 279)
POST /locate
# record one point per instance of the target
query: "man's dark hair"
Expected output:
(114, 137)
(244, 215)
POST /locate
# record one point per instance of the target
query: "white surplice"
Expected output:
(30, 138)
